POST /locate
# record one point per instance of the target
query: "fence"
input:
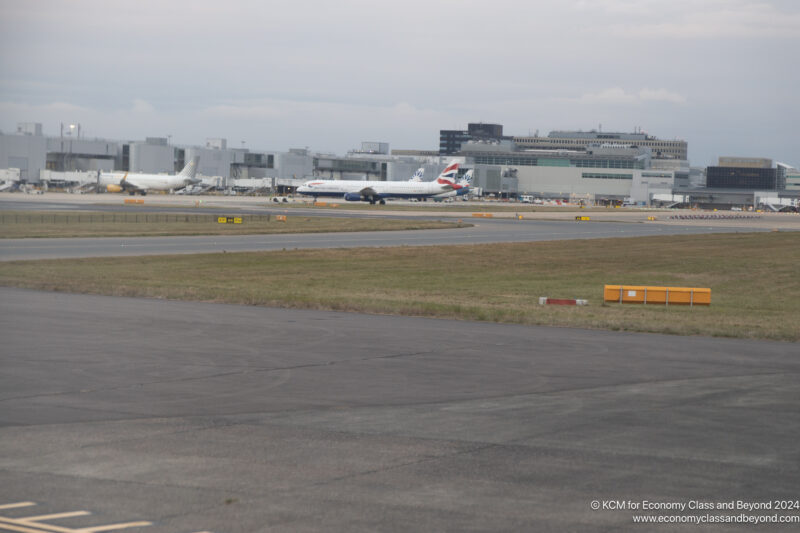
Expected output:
(120, 218)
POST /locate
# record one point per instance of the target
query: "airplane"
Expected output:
(141, 183)
(464, 187)
(378, 191)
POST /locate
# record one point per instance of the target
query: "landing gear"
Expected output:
(383, 202)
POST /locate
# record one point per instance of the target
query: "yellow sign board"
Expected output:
(635, 294)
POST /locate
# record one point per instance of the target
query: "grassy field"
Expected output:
(19, 225)
(754, 281)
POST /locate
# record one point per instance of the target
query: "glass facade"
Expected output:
(579, 141)
(450, 141)
(572, 161)
(602, 176)
(742, 178)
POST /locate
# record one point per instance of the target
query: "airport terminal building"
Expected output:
(579, 140)
(602, 173)
(588, 167)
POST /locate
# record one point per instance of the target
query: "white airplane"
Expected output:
(379, 191)
(141, 183)
(465, 185)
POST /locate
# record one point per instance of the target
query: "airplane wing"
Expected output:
(128, 184)
(368, 191)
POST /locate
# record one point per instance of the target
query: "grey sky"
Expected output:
(722, 74)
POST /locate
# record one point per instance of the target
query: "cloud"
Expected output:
(620, 97)
(141, 106)
(690, 19)
(661, 95)
(614, 96)
(16, 108)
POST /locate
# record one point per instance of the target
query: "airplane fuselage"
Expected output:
(141, 183)
(373, 190)
(146, 182)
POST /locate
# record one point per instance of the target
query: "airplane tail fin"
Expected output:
(418, 175)
(468, 177)
(190, 170)
(449, 174)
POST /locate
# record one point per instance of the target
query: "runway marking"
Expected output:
(35, 524)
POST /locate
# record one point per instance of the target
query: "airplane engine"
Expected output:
(353, 197)
(113, 188)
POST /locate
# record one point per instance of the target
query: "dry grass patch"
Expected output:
(20, 225)
(754, 280)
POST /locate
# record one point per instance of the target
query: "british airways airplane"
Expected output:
(378, 191)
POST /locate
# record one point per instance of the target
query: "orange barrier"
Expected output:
(280, 218)
(133, 201)
(483, 215)
(630, 294)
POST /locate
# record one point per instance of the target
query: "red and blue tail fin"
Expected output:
(449, 174)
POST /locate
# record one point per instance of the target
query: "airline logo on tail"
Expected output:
(448, 175)
(190, 170)
(418, 175)
(466, 182)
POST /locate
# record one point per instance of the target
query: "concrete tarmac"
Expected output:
(481, 233)
(203, 417)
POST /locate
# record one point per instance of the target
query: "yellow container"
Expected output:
(582, 218)
(640, 294)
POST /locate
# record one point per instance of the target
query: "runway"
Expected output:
(199, 417)
(483, 232)
(204, 417)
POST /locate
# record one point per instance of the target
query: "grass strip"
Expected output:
(20, 225)
(753, 277)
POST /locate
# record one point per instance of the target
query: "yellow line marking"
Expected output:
(6, 522)
(33, 524)
(9, 527)
(18, 504)
(112, 527)
(28, 519)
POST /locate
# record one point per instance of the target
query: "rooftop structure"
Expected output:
(745, 162)
(450, 141)
(580, 140)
